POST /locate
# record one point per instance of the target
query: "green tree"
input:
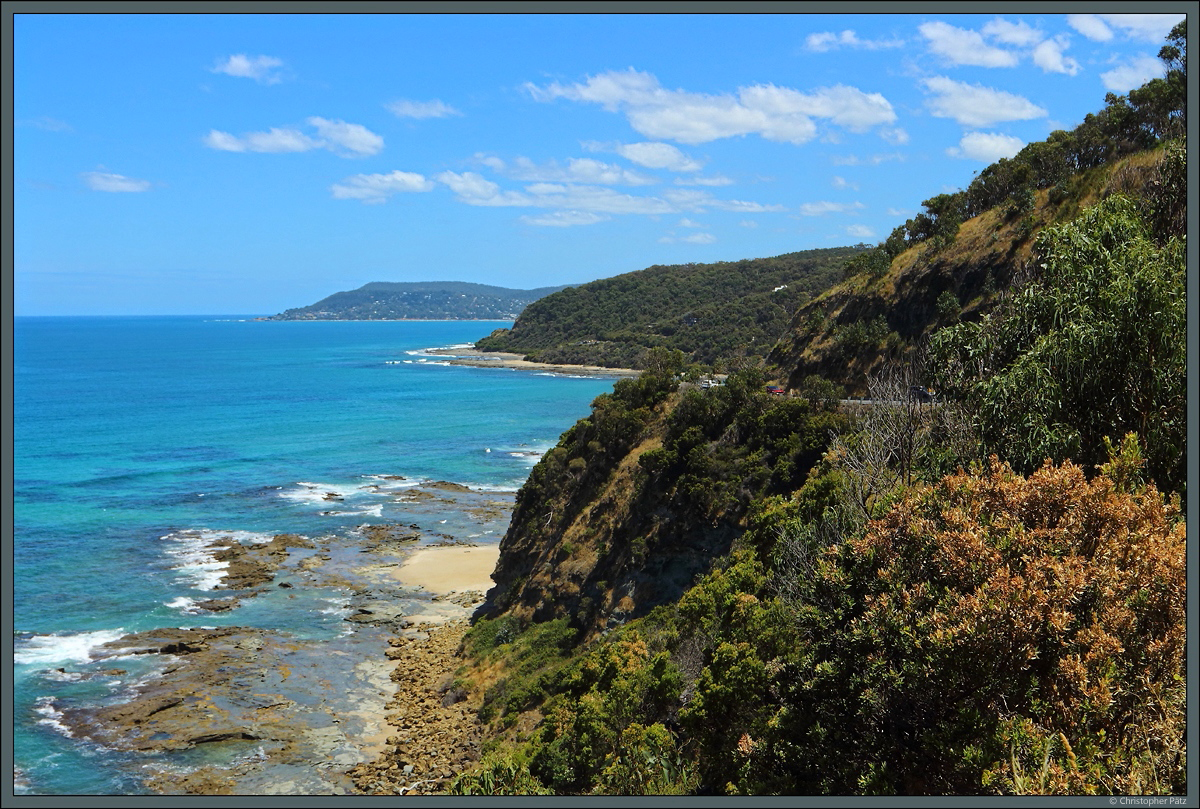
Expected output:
(1089, 350)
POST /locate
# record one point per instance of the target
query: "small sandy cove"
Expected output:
(450, 568)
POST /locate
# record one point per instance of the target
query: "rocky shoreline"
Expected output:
(236, 709)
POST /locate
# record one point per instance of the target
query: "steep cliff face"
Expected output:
(603, 548)
(638, 499)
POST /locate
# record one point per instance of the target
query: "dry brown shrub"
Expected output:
(1061, 603)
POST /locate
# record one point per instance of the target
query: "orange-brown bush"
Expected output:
(995, 634)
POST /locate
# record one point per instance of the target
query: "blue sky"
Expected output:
(246, 164)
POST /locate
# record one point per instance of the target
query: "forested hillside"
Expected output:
(434, 300)
(718, 590)
(713, 313)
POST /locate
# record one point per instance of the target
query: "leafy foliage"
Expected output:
(1089, 350)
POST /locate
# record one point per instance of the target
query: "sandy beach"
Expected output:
(450, 569)
(501, 359)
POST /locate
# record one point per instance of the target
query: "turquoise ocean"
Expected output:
(137, 439)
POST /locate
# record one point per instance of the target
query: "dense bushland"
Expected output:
(713, 313)
(981, 595)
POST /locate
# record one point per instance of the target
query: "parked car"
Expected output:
(921, 394)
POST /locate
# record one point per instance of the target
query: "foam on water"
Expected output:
(48, 651)
(50, 716)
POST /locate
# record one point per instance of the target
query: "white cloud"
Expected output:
(860, 232)
(824, 207)
(975, 105)
(658, 156)
(774, 113)
(1124, 78)
(374, 189)
(748, 223)
(421, 109)
(104, 181)
(276, 140)
(842, 182)
(1050, 56)
(261, 68)
(897, 212)
(827, 41)
(894, 135)
(346, 140)
(963, 47)
(688, 223)
(564, 219)
(1090, 26)
(1018, 33)
(986, 147)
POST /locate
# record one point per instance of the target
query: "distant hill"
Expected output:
(713, 313)
(429, 300)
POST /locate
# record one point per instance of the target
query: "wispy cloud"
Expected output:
(713, 181)
(1135, 73)
(375, 189)
(577, 170)
(975, 105)
(961, 46)
(691, 238)
(775, 113)
(47, 123)
(651, 155)
(826, 207)
(828, 41)
(421, 109)
(339, 137)
(986, 147)
(564, 219)
(263, 69)
(348, 140)
(472, 188)
(843, 183)
(116, 183)
(872, 160)
(860, 232)
(272, 141)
